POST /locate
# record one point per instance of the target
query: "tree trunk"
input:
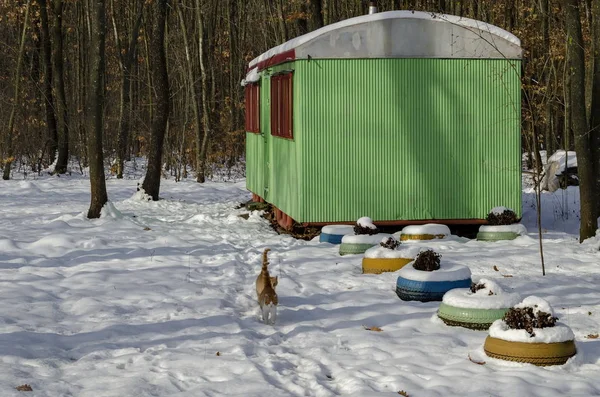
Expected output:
(95, 107)
(160, 80)
(127, 61)
(233, 64)
(192, 86)
(201, 165)
(13, 111)
(48, 95)
(59, 87)
(595, 107)
(281, 19)
(585, 169)
(316, 13)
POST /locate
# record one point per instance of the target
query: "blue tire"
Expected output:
(331, 238)
(427, 291)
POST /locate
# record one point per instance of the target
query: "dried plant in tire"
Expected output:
(508, 217)
(479, 286)
(526, 318)
(428, 261)
(390, 243)
(365, 226)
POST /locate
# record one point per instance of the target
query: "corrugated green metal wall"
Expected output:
(255, 163)
(394, 139)
(408, 138)
(273, 169)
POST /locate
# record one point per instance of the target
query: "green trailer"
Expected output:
(406, 117)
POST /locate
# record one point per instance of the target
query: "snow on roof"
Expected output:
(481, 29)
(251, 77)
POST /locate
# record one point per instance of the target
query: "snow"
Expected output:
(481, 299)
(555, 166)
(499, 210)
(403, 251)
(251, 77)
(559, 333)
(367, 222)
(538, 304)
(561, 157)
(338, 229)
(108, 308)
(441, 18)
(429, 228)
(364, 238)
(518, 228)
(448, 271)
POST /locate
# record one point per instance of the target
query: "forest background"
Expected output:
(97, 82)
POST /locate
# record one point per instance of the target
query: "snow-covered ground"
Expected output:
(158, 299)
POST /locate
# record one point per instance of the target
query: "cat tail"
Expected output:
(265, 260)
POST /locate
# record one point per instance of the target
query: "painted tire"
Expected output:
(331, 238)
(380, 265)
(427, 291)
(404, 237)
(480, 319)
(354, 248)
(541, 354)
(496, 236)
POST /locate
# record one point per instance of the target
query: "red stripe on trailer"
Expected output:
(276, 59)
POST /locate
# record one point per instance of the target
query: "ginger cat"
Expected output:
(265, 290)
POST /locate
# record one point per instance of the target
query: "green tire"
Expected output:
(479, 319)
(496, 236)
(354, 248)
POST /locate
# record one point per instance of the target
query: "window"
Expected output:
(281, 105)
(253, 108)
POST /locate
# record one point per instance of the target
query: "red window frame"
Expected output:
(282, 105)
(252, 96)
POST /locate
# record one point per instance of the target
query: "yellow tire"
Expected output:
(380, 265)
(542, 354)
(405, 237)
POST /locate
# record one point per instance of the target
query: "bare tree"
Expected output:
(585, 166)
(126, 59)
(58, 74)
(160, 80)
(13, 111)
(47, 90)
(95, 105)
(595, 106)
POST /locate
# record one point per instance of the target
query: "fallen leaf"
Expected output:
(592, 336)
(403, 393)
(496, 268)
(376, 329)
(24, 388)
(476, 362)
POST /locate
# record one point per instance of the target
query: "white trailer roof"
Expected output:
(398, 34)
